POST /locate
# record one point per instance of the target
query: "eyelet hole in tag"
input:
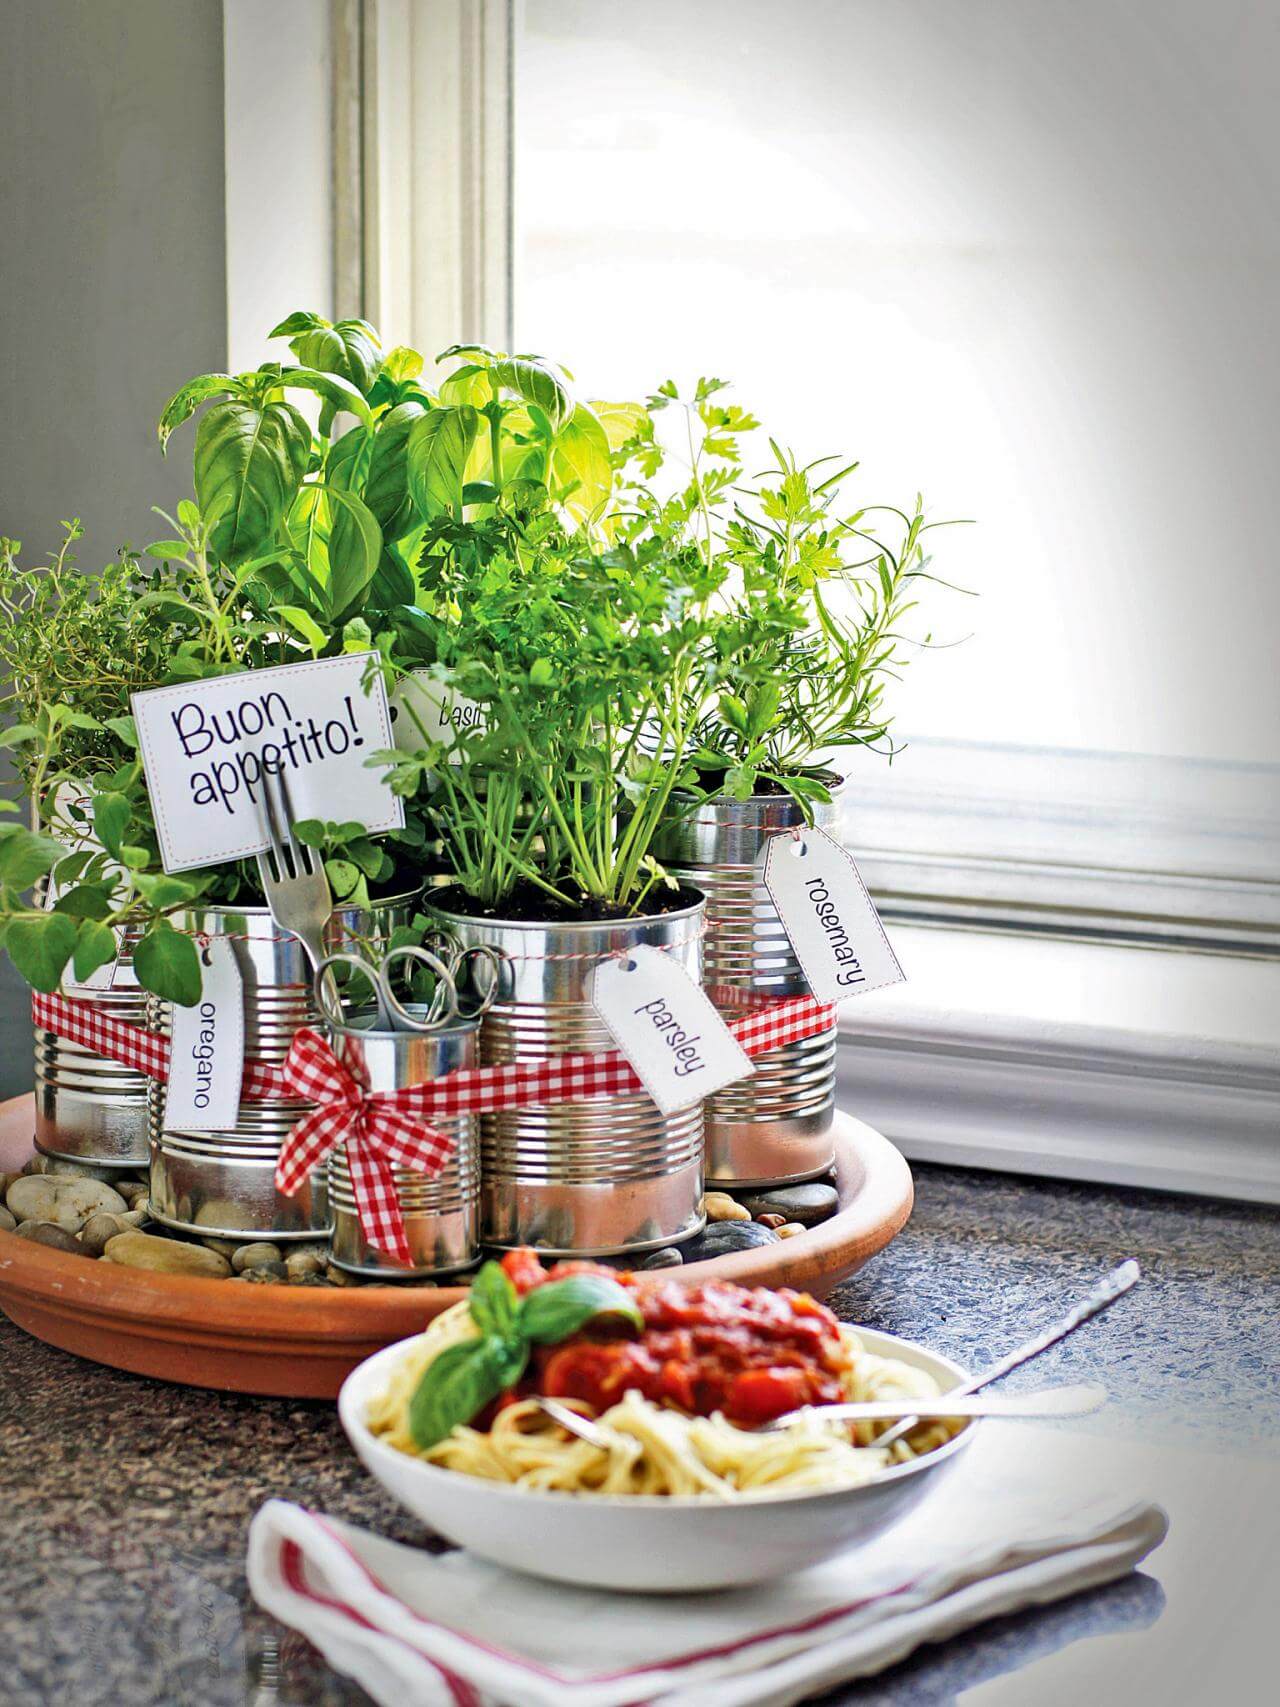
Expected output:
(828, 916)
(206, 1047)
(667, 1029)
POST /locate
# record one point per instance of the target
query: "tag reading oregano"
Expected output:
(831, 920)
(668, 1030)
(206, 1048)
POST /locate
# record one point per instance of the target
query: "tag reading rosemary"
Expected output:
(826, 911)
(667, 1029)
(206, 1048)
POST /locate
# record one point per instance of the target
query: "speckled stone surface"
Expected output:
(124, 1503)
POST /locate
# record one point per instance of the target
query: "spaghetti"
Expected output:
(655, 1449)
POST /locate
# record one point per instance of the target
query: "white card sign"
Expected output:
(667, 1029)
(825, 910)
(206, 747)
(423, 706)
(206, 1048)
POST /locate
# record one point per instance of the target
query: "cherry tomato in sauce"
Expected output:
(750, 1353)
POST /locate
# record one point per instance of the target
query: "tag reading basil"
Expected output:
(422, 707)
(825, 910)
(206, 1048)
(667, 1029)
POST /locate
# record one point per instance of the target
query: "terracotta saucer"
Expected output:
(301, 1342)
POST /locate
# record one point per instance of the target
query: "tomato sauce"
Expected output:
(748, 1352)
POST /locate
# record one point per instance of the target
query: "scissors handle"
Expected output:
(464, 965)
(443, 1009)
(328, 998)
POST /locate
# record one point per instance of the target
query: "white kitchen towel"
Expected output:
(1008, 1529)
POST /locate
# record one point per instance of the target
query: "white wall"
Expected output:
(112, 280)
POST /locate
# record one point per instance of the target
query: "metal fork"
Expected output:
(292, 875)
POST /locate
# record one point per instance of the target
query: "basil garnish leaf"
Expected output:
(554, 1311)
(459, 1383)
(467, 1377)
(493, 1301)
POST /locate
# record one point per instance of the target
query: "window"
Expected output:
(966, 245)
(1021, 257)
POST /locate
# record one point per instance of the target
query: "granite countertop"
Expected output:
(124, 1503)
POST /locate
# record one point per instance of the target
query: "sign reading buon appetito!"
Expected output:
(206, 747)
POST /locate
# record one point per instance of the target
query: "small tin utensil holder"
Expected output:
(441, 1214)
(222, 1184)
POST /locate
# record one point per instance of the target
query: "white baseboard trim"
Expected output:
(1069, 1101)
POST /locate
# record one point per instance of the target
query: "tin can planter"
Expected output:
(441, 1214)
(222, 1184)
(605, 1176)
(89, 1108)
(774, 1128)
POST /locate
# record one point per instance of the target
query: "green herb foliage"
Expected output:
(819, 591)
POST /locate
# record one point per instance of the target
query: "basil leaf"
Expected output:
(493, 1301)
(453, 1389)
(550, 1313)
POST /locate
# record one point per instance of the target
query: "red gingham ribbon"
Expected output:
(378, 1133)
(386, 1129)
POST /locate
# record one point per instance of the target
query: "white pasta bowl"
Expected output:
(648, 1544)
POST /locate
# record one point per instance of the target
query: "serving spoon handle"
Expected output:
(1116, 1284)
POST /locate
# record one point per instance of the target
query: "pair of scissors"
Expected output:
(442, 1011)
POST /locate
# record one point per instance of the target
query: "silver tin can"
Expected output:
(89, 1108)
(604, 1176)
(774, 1128)
(441, 1214)
(222, 1184)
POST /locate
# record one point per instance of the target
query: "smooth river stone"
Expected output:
(165, 1256)
(667, 1257)
(97, 1231)
(721, 1237)
(68, 1201)
(721, 1207)
(807, 1204)
(46, 1233)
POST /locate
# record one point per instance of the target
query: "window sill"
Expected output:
(1120, 1065)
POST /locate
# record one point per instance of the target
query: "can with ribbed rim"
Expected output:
(441, 1213)
(89, 1108)
(605, 1176)
(222, 1184)
(774, 1128)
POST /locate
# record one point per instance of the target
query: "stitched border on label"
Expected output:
(314, 664)
(867, 989)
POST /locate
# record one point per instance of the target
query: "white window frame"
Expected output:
(1010, 840)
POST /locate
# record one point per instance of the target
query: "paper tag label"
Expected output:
(422, 707)
(206, 747)
(206, 1048)
(825, 910)
(667, 1029)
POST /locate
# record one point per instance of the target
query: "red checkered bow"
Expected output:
(379, 1137)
